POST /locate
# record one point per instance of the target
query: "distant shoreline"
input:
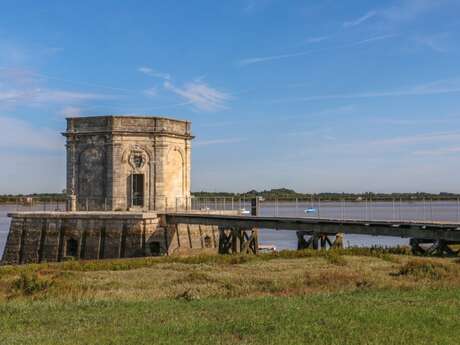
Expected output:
(265, 196)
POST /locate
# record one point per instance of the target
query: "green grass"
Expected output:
(370, 317)
(353, 296)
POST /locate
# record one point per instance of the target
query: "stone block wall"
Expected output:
(56, 236)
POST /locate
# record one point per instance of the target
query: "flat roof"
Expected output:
(133, 116)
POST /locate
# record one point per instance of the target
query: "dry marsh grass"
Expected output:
(336, 297)
(197, 277)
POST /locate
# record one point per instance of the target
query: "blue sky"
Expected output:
(317, 96)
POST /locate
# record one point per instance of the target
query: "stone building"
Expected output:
(123, 174)
(123, 163)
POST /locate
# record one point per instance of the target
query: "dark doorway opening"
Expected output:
(207, 241)
(71, 248)
(138, 189)
(155, 248)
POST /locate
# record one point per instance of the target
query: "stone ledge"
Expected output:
(85, 215)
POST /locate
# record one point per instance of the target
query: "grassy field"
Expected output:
(336, 297)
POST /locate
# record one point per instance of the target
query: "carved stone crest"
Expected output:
(137, 158)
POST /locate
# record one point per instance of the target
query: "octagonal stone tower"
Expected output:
(121, 163)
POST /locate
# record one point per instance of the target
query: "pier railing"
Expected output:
(398, 210)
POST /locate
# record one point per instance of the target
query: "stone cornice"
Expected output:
(71, 134)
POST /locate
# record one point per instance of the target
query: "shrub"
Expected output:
(335, 258)
(423, 269)
(187, 295)
(29, 284)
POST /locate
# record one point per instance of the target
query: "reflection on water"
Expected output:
(282, 239)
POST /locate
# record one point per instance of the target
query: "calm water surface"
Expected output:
(283, 239)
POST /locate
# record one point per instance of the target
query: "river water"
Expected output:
(283, 239)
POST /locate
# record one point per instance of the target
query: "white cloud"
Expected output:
(202, 96)
(360, 20)
(21, 134)
(153, 73)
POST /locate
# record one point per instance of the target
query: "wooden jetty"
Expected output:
(238, 233)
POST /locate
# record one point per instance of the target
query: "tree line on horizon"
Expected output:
(290, 194)
(272, 194)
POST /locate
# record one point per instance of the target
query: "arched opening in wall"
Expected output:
(71, 248)
(91, 179)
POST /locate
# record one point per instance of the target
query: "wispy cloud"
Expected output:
(215, 124)
(37, 96)
(70, 111)
(151, 92)
(153, 73)
(318, 39)
(436, 42)
(22, 76)
(432, 88)
(443, 151)
(413, 122)
(219, 141)
(24, 87)
(418, 139)
(360, 20)
(60, 96)
(201, 95)
(407, 10)
(250, 6)
(16, 134)
(372, 39)
(255, 60)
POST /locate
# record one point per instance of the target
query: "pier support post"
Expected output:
(235, 240)
(318, 240)
(433, 248)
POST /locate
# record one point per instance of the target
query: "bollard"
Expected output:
(458, 210)
(255, 207)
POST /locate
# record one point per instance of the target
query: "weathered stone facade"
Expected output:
(122, 172)
(124, 163)
(36, 237)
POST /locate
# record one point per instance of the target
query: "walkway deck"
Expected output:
(407, 229)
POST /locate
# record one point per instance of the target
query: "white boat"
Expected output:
(267, 248)
(310, 210)
(244, 211)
